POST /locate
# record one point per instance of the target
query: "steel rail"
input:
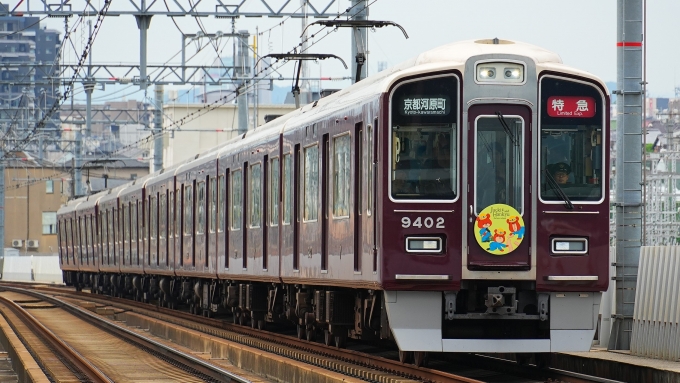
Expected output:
(355, 357)
(188, 360)
(80, 362)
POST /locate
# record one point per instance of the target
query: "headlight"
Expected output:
(487, 73)
(500, 73)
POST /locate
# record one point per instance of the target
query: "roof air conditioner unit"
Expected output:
(17, 243)
(32, 243)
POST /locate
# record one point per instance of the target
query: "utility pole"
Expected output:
(303, 70)
(241, 71)
(630, 23)
(88, 85)
(143, 22)
(158, 129)
(359, 39)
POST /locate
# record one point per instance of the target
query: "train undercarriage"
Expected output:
(482, 311)
(337, 313)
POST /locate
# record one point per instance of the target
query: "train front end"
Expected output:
(495, 206)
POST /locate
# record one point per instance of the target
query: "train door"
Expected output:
(499, 192)
(170, 245)
(153, 230)
(134, 224)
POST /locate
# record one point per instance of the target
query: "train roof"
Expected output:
(449, 56)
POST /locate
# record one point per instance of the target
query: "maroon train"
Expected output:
(457, 202)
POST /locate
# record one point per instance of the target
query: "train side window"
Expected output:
(103, 236)
(220, 203)
(109, 228)
(178, 213)
(171, 213)
(200, 207)
(287, 187)
(311, 183)
(153, 217)
(133, 223)
(369, 168)
(255, 195)
(341, 175)
(163, 216)
(188, 209)
(126, 230)
(274, 179)
(213, 204)
(236, 200)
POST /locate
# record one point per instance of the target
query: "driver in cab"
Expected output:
(560, 172)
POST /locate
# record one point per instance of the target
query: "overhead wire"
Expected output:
(57, 103)
(223, 99)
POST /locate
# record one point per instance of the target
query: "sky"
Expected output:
(582, 32)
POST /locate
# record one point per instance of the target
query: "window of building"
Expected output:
(49, 221)
(49, 186)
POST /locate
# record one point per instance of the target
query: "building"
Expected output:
(33, 194)
(35, 189)
(25, 86)
(203, 131)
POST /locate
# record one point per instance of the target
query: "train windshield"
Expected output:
(499, 161)
(571, 141)
(424, 140)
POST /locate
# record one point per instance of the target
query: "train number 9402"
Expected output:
(420, 222)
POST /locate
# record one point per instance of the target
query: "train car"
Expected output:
(454, 203)
(69, 250)
(86, 214)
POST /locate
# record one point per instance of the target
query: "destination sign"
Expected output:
(425, 106)
(571, 106)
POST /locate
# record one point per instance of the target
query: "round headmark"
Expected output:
(499, 229)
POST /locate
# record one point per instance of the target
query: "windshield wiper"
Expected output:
(507, 128)
(558, 190)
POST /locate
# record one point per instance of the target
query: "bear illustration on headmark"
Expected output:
(483, 223)
(515, 227)
(498, 242)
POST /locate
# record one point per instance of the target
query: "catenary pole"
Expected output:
(359, 37)
(157, 129)
(241, 70)
(629, 148)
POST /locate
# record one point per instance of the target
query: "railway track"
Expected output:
(361, 361)
(72, 344)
